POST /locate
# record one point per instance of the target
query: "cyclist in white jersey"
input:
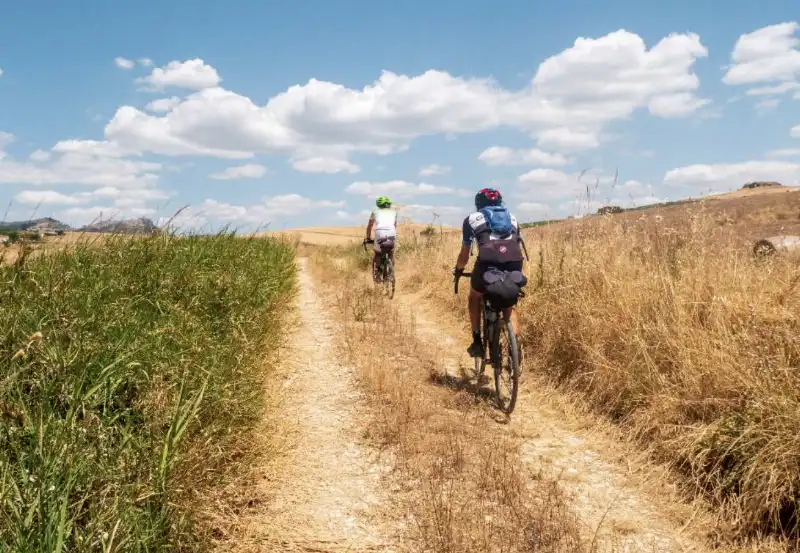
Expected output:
(384, 219)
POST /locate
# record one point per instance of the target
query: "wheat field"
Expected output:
(664, 323)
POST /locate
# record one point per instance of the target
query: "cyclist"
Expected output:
(499, 262)
(384, 219)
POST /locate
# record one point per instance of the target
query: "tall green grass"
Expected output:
(130, 375)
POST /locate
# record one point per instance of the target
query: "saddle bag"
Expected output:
(503, 287)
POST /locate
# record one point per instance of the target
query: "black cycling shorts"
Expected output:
(476, 280)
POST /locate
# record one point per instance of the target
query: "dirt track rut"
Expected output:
(329, 495)
(616, 512)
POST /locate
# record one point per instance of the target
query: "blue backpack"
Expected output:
(499, 219)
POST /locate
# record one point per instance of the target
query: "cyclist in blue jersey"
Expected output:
(499, 262)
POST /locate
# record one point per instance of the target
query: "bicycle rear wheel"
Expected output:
(388, 278)
(480, 362)
(505, 358)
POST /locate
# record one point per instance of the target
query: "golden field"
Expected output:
(342, 236)
(662, 322)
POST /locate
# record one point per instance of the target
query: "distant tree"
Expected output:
(609, 209)
(760, 184)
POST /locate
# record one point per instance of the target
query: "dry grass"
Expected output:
(11, 253)
(464, 486)
(341, 236)
(750, 192)
(663, 323)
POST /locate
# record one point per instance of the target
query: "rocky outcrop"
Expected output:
(142, 225)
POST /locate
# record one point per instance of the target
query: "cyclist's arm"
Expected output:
(515, 224)
(370, 225)
(463, 257)
(466, 245)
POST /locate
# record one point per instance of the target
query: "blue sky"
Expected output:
(256, 113)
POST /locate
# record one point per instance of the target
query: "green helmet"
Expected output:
(383, 201)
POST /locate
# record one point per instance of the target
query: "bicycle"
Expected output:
(496, 331)
(385, 273)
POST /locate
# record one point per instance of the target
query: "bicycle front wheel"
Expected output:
(506, 368)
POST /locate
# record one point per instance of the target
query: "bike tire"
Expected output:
(480, 362)
(506, 363)
(388, 279)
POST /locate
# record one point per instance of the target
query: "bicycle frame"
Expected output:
(384, 255)
(385, 269)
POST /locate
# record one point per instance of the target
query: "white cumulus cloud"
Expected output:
(434, 169)
(39, 155)
(499, 155)
(163, 104)
(247, 171)
(47, 197)
(784, 152)
(121, 198)
(549, 184)
(320, 164)
(79, 162)
(124, 63)
(723, 176)
(531, 209)
(566, 106)
(400, 188)
(767, 56)
(445, 214)
(192, 74)
(271, 209)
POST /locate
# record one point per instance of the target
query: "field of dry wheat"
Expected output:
(665, 324)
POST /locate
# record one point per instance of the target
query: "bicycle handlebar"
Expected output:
(365, 242)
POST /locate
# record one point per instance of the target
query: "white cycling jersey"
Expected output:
(385, 222)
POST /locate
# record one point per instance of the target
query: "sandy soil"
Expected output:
(326, 493)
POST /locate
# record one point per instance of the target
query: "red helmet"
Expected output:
(487, 196)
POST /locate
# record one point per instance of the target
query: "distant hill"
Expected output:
(142, 225)
(44, 224)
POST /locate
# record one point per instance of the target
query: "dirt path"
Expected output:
(328, 495)
(617, 510)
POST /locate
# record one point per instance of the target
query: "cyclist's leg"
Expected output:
(376, 257)
(390, 253)
(475, 305)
